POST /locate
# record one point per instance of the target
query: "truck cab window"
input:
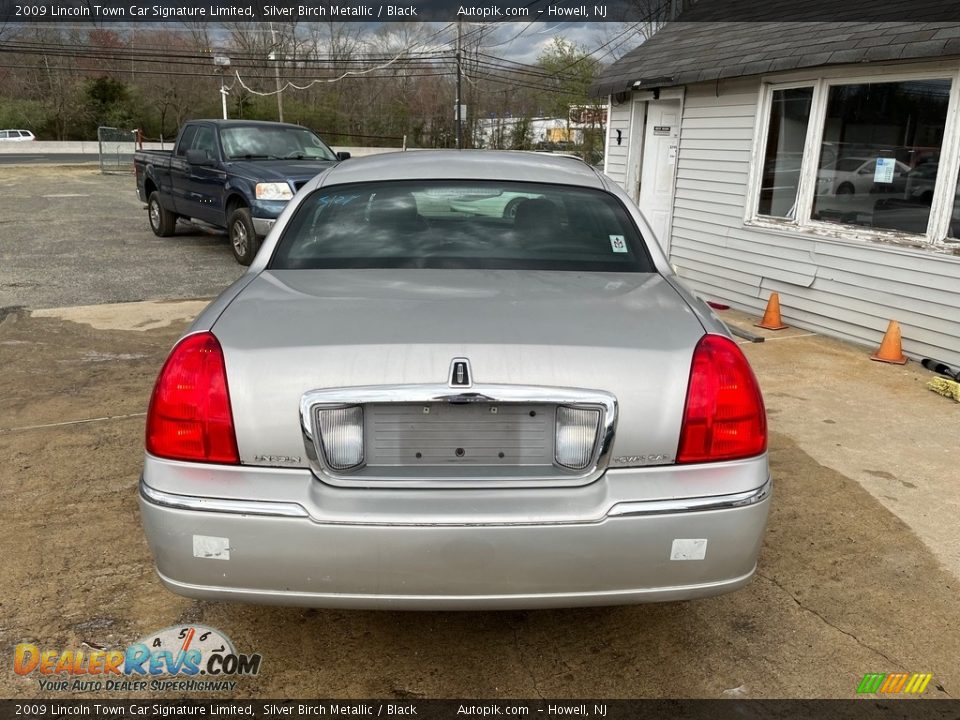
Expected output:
(205, 140)
(186, 140)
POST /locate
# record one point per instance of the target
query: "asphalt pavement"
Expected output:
(73, 236)
(27, 158)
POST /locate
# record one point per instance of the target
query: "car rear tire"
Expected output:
(162, 221)
(243, 236)
(510, 211)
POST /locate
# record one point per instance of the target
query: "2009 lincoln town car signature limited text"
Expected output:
(439, 388)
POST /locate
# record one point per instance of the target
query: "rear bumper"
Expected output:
(275, 553)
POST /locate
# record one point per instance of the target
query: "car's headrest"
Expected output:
(536, 215)
(393, 208)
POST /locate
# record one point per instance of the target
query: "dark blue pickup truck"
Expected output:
(231, 174)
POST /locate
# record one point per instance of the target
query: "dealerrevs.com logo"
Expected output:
(180, 658)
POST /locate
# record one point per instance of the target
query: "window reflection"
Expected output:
(789, 115)
(458, 225)
(880, 153)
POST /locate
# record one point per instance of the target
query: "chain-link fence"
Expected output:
(116, 149)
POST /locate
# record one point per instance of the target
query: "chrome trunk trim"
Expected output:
(315, 400)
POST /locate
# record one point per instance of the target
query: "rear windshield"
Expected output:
(471, 225)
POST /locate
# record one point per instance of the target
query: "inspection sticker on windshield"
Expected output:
(618, 243)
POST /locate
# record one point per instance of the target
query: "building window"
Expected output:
(876, 160)
(879, 154)
(782, 160)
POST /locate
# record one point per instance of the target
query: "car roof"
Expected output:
(861, 158)
(465, 165)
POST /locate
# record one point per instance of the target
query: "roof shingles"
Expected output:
(687, 52)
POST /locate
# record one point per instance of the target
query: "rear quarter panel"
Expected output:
(711, 323)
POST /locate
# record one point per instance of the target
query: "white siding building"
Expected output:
(816, 160)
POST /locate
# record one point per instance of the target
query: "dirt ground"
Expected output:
(844, 587)
(859, 572)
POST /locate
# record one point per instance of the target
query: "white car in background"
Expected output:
(499, 204)
(852, 176)
(16, 136)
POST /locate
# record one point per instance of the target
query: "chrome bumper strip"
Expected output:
(684, 505)
(220, 505)
(295, 510)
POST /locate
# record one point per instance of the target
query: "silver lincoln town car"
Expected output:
(451, 380)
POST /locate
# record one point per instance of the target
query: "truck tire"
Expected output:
(162, 221)
(243, 237)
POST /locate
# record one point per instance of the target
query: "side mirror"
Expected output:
(343, 155)
(199, 157)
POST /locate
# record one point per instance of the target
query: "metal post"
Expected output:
(276, 72)
(222, 63)
(223, 96)
(459, 74)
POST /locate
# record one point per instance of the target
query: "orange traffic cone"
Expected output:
(771, 318)
(890, 350)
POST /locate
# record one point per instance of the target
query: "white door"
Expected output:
(658, 165)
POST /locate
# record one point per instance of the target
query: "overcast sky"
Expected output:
(525, 41)
(516, 41)
(537, 36)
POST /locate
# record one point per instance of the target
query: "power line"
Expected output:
(211, 73)
(346, 74)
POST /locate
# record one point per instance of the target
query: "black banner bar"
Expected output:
(522, 11)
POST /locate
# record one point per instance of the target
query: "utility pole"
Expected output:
(222, 63)
(459, 75)
(223, 96)
(275, 56)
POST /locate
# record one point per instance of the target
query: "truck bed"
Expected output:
(152, 154)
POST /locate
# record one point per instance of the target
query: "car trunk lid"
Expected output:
(293, 331)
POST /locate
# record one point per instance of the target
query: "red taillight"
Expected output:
(190, 416)
(724, 418)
